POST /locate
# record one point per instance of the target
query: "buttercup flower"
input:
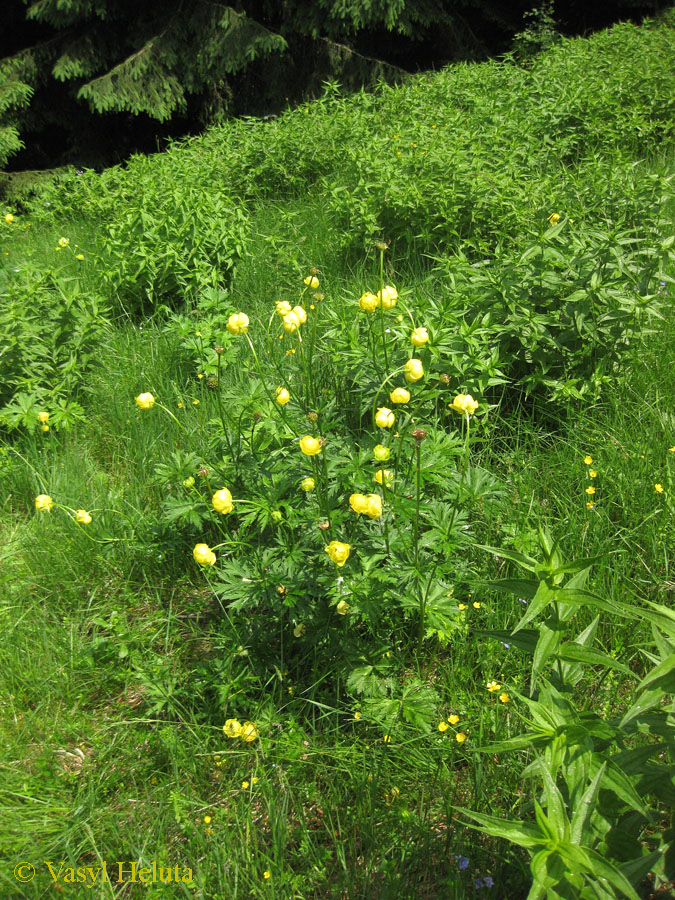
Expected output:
(232, 728)
(83, 517)
(282, 396)
(249, 732)
(414, 370)
(384, 476)
(504, 697)
(283, 307)
(307, 484)
(300, 314)
(464, 404)
(43, 417)
(419, 337)
(388, 297)
(204, 555)
(368, 302)
(299, 630)
(357, 715)
(374, 506)
(592, 473)
(312, 281)
(245, 785)
(460, 737)
(590, 490)
(222, 501)
(399, 395)
(443, 726)
(145, 401)
(658, 488)
(44, 502)
(207, 820)
(554, 218)
(267, 874)
(237, 323)
(588, 460)
(493, 686)
(462, 607)
(359, 503)
(342, 608)
(309, 445)
(453, 719)
(384, 418)
(290, 322)
(338, 552)
(590, 504)
(9, 218)
(381, 453)
(63, 242)
(476, 605)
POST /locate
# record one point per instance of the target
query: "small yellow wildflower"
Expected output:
(222, 501)
(204, 555)
(476, 605)
(384, 418)
(671, 449)
(493, 686)
(590, 490)
(385, 476)
(249, 732)
(357, 715)
(343, 607)
(588, 460)
(44, 428)
(658, 488)
(309, 445)
(414, 370)
(592, 473)
(83, 517)
(554, 218)
(443, 726)
(590, 505)
(232, 728)
(460, 737)
(180, 404)
(254, 780)
(9, 218)
(267, 874)
(453, 719)
(307, 484)
(282, 396)
(312, 281)
(207, 820)
(145, 401)
(63, 242)
(200, 376)
(462, 607)
(195, 402)
(504, 697)
(245, 785)
(44, 502)
(43, 417)
(387, 739)
(79, 256)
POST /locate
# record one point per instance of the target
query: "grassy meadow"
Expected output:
(337, 469)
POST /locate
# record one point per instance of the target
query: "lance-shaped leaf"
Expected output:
(510, 829)
(526, 562)
(583, 811)
(574, 652)
(544, 596)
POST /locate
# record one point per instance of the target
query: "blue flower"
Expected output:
(463, 862)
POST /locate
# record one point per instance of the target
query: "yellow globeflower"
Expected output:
(359, 503)
(384, 476)
(300, 313)
(283, 307)
(145, 401)
(9, 218)
(399, 395)
(554, 218)
(312, 281)
(83, 517)
(374, 506)
(43, 417)
(369, 302)
(419, 337)
(290, 322)
(282, 396)
(237, 323)
(414, 370)
(249, 732)
(222, 501)
(307, 484)
(338, 552)
(232, 728)
(384, 418)
(342, 608)
(453, 719)
(464, 404)
(493, 686)
(204, 555)
(44, 502)
(63, 242)
(443, 726)
(388, 297)
(381, 453)
(309, 445)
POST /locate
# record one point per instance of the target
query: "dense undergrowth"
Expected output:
(411, 546)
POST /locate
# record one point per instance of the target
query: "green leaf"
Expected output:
(526, 562)
(662, 677)
(588, 860)
(573, 672)
(574, 652)
(555, 805)
(583, 810)
(643, 703)
(524, 588)
(616, 780)
(510, 829)
(544, 596)
(547, 644)
(524, 640)
(519, 741)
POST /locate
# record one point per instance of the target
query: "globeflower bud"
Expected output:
(419, 337)
(374, 506)
(414, 370)
(342, 608)
(338, 552)
(307, 484)
(384, 418)
(554, 218)
(369, 302)
(237, 323)
(291, 322)
(204, 555)
(222, 501)
(282, 396)
(309, 445)
(44, 428)
(9, 218)
(283, 307)
(312, 282)
(189, 482)
(388, 297)
(381, 453)
(145, 401)
(83, 517)
(399, 395)
(299, 630)
(43, 417)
